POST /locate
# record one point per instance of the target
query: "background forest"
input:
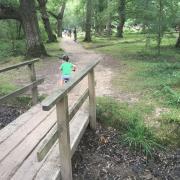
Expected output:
(143, 34)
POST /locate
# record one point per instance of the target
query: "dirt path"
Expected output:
(81, 58)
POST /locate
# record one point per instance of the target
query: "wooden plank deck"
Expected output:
(20, 140)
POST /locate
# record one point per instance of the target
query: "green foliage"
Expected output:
(165, 70)
(129, 118)
(149, 57)
(42, 97)
(129, 30)
(7, 87)
(169, 97)
(140, 137)
(7, 49)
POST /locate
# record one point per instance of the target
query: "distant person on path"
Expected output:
(66, 68)
(75, 34)
(65, 32)
(69, 30)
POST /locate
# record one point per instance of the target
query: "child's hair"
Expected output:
(65, 58)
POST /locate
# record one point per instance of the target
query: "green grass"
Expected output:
(129, 118)
(154, 79)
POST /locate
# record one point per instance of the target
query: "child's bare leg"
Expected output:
(62, 82)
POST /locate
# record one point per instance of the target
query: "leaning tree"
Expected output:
(45, 18)
(59, 16)
(25, 12)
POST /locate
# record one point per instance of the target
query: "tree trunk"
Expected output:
(178, 41)
(108, 25)
(144, 19)
(101, 29)
(34, 43)
(143, 29)
(60, 17)
(121, 18)
(88, 22)
(26, 14)
(47, 26)
(95, 24)
(59, 27)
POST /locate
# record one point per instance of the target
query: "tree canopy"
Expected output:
(39, 21)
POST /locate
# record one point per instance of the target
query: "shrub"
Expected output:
(140, 137)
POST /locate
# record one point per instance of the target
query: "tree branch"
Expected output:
(52, 14)
(9, 12)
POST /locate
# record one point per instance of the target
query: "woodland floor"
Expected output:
(99, 155)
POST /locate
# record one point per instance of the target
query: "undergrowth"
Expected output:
(127, 118)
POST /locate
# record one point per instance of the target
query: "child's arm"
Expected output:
(61, 68)
(74, 67)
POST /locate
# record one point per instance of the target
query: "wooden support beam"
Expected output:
(53, 136)
(18, 65)
(54, 98)
(64, 138)
(78, 104)
(18, 92)
(47, 144)
(92, 101)
(32, 76)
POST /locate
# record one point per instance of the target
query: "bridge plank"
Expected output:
(25, 148)
(15, 125)
(49, 169)
(18, 65)
(54, 98)
(18, 92)
(9, 145)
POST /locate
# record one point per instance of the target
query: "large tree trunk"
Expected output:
(121, 18)
(47, 26)
(88, 22)
(108, 25)
(178, 41)
(26, 14)
(34, 43)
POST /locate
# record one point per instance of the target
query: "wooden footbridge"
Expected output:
(40, 143)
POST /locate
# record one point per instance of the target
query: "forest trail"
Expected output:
(81, 58)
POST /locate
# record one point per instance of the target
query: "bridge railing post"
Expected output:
(32, 76)
(92, 101)
(64, 138)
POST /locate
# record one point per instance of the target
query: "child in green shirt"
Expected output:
(66, 67)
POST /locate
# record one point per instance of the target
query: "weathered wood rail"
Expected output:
(61, 130)
(32, 86)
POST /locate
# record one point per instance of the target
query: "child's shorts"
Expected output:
(64, 77)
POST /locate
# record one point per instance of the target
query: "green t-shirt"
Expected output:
(66, 68)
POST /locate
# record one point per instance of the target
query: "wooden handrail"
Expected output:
(32, 86)
(18, 65)
(18, 92)
(54, 98)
